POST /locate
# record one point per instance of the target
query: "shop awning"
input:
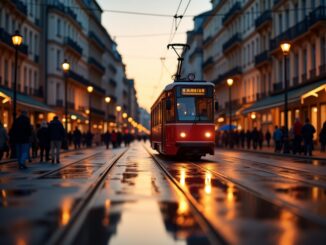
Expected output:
(278, 100)
(25, 100)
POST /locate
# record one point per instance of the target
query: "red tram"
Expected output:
(182, 119)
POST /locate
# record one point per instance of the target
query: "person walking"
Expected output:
(107, 139)
(255, 138)
(114, 139)
(242, 136)
(297, 127)
(21, 133)
(248, 139)
(57, 135)
(322, 138)
(277, 136)
(44, 141)
(3, 140)
(77, 135)
(268, 137)
(308, 134)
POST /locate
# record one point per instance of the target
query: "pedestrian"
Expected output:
(21, 133)
(268, 137)
(107, 139)
(277, 137)
(114, 139)
(248, 139)
(297, 127)
(119, 139)
(44, 141)
(76, 136)
(308, 134)
(242, 138)
(322, 138)
(260, 139)
(89, 139)
(254, 137)
(57, 135)
(3, 140)
(34, 143)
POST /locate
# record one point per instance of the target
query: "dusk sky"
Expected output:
(142, 54)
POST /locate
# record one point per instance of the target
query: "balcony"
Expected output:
(235, 9)
(304, 78)
(71, 13)
(125, 93)
(20, 6)
(276, 2)
(96, 40)
(295, 81)
(96, 64)
(232, 42)
(74, 46)
(236, 71)
(78, 78)
(208, 63)
(97, 111)
(113, 82)
(277, 87)
(5, 37)
(113, 69)
(111, 118)
(207, 41)
(263, 19)
(312, 73)
(261, 58)
(36, 58)
(319, 14)
(59, 103)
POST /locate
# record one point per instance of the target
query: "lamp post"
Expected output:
(230, 83)
(285, 46)
(66, 67)
(107, 100)
(89, 90)
(118, 109)
(17, 40)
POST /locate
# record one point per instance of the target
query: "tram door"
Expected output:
(163, 116)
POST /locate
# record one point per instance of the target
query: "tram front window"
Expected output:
(195, 109)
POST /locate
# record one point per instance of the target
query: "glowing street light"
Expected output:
(286, 46)
(89, 90)
(66, 67)
(124, 115)
(229, 82)
(17, 40)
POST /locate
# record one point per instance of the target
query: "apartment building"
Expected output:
(241, 40)
(54, 31)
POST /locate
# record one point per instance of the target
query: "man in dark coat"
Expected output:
(57, 134)
(308, 134)
(21, 133)
(77, 135)
(44, 140)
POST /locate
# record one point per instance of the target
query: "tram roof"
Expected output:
(182, 83)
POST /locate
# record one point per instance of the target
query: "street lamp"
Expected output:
(124, 115)
(285, 46)
(17, 40)
(230, 83)
(89, 90)
(66, 67)
(107, 100)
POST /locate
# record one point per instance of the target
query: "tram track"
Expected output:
(212, 233)
(270, 198)
(312, 179)
(66, 234)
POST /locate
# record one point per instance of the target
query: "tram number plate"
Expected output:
(193, 91)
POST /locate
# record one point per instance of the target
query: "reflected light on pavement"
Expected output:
(208, 183)
(4, 198)
(182, 177)
(65, 212)
(289, 231)
(21, 241)
(106, 219)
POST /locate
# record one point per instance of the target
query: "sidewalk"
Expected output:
(316, 154)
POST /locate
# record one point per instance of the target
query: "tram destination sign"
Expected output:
(193, 91)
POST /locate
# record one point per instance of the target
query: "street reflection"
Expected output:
(289, 231)
(182, 176)
(208, 183)
(65, 211)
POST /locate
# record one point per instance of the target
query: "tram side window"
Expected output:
(170, 114)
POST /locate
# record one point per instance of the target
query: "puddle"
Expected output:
(132, 223)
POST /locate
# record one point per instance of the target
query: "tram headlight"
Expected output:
(183, 135)
(208, 134)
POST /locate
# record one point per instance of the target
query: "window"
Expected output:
(58, 59)
(170, 114)
(303, 7)
(58, 27)
(305, 61)
(287, 19)
(296, 14)
(280, 24)
(323, 51)
(313, 56)
(194, 109)
(296, 65)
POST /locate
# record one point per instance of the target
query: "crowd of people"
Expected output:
(24, 142)
(299, 140)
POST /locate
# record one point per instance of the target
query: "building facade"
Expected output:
(54, 31)
(241, 41)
